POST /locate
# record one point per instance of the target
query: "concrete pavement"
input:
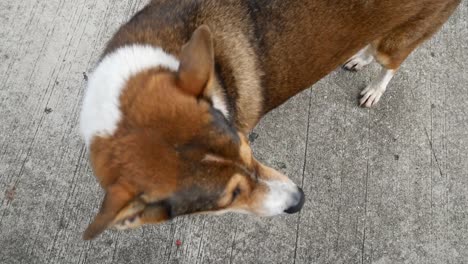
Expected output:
(386, 185)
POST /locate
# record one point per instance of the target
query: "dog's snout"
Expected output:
(299, 197)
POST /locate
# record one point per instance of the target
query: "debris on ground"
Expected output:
(10, 194)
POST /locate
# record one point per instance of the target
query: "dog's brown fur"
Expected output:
(264, 52)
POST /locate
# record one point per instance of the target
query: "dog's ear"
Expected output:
(117, 197)
(196, 68)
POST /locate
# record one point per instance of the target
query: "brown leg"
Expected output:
(391, 50)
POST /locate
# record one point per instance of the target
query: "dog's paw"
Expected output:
(358, 62)
(371, 96)
(129, 223)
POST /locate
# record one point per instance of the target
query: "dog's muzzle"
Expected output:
(282, 197)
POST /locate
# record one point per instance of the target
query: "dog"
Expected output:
(168, 107)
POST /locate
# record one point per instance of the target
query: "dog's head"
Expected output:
(174, 154)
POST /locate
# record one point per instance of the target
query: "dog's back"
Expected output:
(289, 44)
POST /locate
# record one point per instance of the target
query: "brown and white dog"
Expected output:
(168, 107)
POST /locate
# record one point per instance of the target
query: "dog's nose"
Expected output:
(300, 199)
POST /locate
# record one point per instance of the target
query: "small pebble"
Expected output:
(10, 194)
(281, 165)
(252, 137)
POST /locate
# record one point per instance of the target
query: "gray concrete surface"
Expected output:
(387, 185)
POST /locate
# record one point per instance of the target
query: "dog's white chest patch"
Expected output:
(100, 112)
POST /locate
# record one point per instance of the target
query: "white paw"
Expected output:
(371, 95)
(128, 223)
(357, 62)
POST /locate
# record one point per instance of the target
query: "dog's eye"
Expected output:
(235, 193)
